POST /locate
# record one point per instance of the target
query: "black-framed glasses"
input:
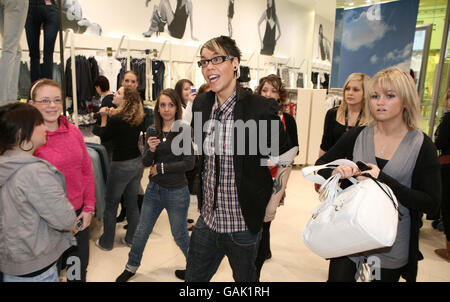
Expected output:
(216, 60)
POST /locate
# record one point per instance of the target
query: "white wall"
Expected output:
(132, 18)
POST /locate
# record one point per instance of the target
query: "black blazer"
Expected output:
(253, 181)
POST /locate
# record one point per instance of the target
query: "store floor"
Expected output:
(291, 261)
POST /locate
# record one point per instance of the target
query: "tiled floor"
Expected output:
(291, 260)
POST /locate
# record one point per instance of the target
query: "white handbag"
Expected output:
(360, 218)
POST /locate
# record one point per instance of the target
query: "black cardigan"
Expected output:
(424, 196)
(442, 135)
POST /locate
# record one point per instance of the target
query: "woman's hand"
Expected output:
(374, 171)
(153, 142)
(192, 96)
(104, 111)
(346, 171)
(153, 171)
(86, 218)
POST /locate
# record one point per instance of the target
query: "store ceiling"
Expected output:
(324, 8)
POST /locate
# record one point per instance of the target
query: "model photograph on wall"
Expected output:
(272, 30)
(72, 18)
(324, 46)
(230, 17)
(163, 15)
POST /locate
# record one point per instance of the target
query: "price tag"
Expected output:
(48, 2)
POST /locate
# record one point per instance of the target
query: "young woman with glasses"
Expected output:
(66, 150)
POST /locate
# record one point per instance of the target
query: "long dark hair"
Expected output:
(173, 95)
(17, 123)
(179, 89)
(271, 12)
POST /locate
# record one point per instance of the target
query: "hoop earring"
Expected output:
(32, 146)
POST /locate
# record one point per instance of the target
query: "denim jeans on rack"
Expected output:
(156, 199)
(40, 14)
(124, 179)
(13, 14)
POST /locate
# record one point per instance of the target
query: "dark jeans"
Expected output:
(81, 251)
(207, 249)
(343, 269)
(46, 16)
(156, 199)
(124, 178)
(264, 248)
(445, 203)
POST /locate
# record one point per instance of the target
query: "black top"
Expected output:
(332, 130)
(175, 166)
(291, 129)
(442, 135)
(424, 196)
(124, 137)
(178, 25)
(107, 101)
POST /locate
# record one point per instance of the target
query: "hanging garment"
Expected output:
(110, 68)
(158, 69)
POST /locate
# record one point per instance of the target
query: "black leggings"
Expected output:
(343, 270)
(81, 251)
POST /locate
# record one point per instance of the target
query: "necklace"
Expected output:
(346, 119)
(165, 135)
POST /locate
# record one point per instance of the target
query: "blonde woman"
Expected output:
(399, 155)
(123, 127)
(349, 114)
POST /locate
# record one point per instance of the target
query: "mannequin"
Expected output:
(42, 13)
(13, 14)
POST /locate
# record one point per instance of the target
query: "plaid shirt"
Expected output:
(222, 212)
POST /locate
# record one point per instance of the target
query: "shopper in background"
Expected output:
(130, 80)
(187, 95)
(402, 157)
(122, 127)
(101, 85)
(272, 87)
(442, 141)
(204, 88)
(36, 217)
(13, 15)
(167, 188)
(235, 202)
(349, 114)
(66, 150)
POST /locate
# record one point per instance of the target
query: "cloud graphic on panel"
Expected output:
(362, 31)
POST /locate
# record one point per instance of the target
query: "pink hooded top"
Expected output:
(66, 150)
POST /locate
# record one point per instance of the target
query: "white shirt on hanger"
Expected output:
(110, 68)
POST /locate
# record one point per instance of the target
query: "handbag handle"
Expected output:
(310, 172)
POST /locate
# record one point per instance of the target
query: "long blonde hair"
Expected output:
(131, 108)
(402, 83)
(365, 80)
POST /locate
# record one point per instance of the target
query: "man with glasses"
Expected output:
(237, 192)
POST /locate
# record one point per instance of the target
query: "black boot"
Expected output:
(180, 273)
(125, 276)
